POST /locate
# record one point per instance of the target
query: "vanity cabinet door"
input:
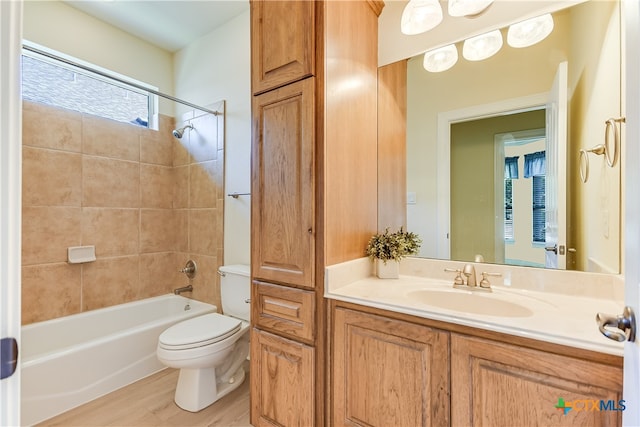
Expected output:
(282, 42)
(388, 372)
(282, 208)
(282, 381)
(495, 384)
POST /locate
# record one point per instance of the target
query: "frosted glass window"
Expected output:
(62, 85)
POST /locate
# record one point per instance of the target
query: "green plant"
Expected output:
(393, 246)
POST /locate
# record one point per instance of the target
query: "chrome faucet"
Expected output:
(188, 288)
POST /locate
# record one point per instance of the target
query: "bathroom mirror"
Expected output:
(459, 120)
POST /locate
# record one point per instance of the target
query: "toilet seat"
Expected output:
(199, 331)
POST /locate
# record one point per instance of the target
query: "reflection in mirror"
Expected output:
(460, 224)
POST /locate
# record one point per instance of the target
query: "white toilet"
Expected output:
(210, 349)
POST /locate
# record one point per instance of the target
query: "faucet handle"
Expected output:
(458, 279)
(484, 283)
(190, 269)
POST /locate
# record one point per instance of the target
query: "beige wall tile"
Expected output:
(159, 274)
(51, 178)
(110, 183)
(203, 139)
(50, 291)
(203, 188)
(156, 146)
(156, 186)
(109, 281)
(181, 187)
(206, 284)
(114, 232)
(157, 230)
(47, 232)
(181, 154)
(182, 230)
(202, 226)
(50, 127)
(137, 215)
(109, 138)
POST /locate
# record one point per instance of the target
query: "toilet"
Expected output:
(210, 349)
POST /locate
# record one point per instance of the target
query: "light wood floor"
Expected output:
(149, 402)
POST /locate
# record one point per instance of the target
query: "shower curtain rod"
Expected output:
(137, 86)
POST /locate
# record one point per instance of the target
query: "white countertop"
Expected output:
(560, 318)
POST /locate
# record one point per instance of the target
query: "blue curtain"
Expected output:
(511, 167)
(534, 164)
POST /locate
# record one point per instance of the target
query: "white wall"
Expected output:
(211, 69)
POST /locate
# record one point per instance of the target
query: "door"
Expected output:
(555, 177)
(10, 176)
(631, 109)
(282, 381)
(413, 387)
(282, 206)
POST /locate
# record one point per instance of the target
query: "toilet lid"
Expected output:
(199, 331)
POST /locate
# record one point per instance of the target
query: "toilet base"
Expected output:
(197, 388)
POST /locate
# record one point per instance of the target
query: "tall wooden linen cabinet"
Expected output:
(314, 188)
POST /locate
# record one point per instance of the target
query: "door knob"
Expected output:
(553, 249)
(626, 323)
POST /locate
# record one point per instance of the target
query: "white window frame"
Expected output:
(153, 105)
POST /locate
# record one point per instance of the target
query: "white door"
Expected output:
(631, 393)
(10, 187)
(556, 166)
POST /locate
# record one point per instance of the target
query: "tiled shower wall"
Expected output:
(147, 201)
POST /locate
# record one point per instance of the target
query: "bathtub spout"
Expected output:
(178, 291)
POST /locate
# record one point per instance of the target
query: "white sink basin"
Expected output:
(474, 302)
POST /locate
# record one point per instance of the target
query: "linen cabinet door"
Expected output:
(282, 381)
(282, 208)
(283, 42)
(388, 372)
(496, 384)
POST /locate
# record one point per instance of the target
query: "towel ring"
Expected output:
(584, 160)
(611, 153)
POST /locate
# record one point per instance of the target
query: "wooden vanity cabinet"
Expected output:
(394, 369)
(283, 186)
(498, 384)
(282, 381)
(282, 43)
(388, 372)
(313, 186)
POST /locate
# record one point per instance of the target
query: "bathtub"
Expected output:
(74, 359)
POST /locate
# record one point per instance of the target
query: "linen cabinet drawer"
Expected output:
(283, 310)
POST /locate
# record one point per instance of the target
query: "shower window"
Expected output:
(60, 84)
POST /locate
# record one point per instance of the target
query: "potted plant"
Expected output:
(387, 249)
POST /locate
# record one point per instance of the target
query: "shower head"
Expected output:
(179, 132)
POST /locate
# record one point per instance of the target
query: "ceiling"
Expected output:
(169, 24)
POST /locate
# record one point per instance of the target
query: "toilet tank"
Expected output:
(235, 290)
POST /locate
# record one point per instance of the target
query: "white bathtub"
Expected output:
(74, 359)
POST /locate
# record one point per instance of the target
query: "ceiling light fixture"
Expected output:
(530, 32)
(419, 16)
(467, 7)
(440, 59)
(483, 46)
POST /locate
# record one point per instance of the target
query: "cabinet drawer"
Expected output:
(284, 310)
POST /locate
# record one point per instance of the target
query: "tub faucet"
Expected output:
(188, 288)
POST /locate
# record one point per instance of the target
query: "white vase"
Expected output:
(388, 270)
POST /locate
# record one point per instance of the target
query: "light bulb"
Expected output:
(483, 46)
(530, 32)
(440, 59)
(419, 16)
